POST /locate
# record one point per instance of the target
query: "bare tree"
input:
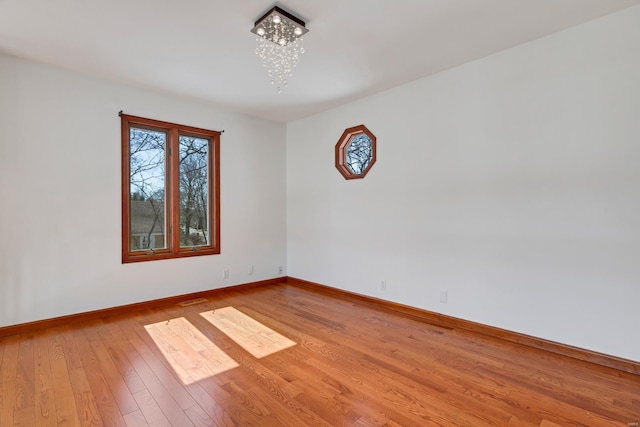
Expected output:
(147, 181)
(194, 191)
(359, 153)
(146, 178)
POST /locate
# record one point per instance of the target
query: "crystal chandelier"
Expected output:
(279, 44)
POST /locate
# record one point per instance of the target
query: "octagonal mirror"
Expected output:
(355, 152)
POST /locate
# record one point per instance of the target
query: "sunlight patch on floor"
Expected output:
(250, 334)
(191, 354)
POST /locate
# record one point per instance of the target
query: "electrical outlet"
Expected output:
(383, 285)
(280, 270)
(225, 273)
(250, 269)
(443, 296)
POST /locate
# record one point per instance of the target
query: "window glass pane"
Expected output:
(194, 191)
(359, 153)
(147, 189)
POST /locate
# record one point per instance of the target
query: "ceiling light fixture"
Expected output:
(279, 44)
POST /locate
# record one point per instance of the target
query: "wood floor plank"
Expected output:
(151, 367)
(240, 410)
(157, 390)
(44, 386)
(8, 374)
(199, 417)
(286, 408)
(191, 355)
(45, 414)
(25, 378)
(136, 419)
(98, 379)
(345, 363)
(218, 415)
(117, 345)
(71, 353)
(250, 334)
(42, 362)
(2, 347)
(117, 386)
(85, 402)
(25, 417)
(64, 396)
(170, 397)
(153, 415)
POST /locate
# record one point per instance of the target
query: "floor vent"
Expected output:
(192, 302)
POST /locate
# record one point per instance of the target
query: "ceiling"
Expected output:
(203, 48)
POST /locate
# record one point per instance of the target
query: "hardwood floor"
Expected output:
(288, 356)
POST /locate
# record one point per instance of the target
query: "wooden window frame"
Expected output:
(172, 191)
(341, 151)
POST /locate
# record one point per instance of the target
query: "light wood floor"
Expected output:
(290, 356)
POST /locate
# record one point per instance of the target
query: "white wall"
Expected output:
(512, 182)
(60, 250)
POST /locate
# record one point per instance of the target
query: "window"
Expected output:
(170, 190)
(355, 152)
